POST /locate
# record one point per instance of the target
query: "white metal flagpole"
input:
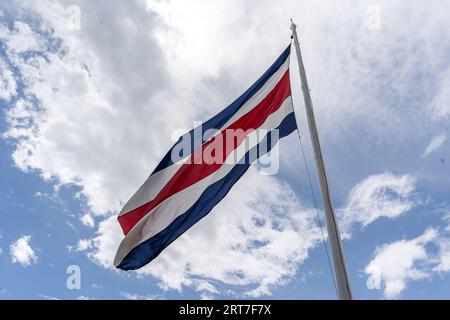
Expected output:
(340, 270)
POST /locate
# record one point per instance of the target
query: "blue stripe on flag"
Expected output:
(151, 248)
(222, 117)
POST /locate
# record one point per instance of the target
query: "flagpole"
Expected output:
(340, 270)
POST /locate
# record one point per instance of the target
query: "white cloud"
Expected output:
(206, 296)
(444, 249)
(435, 144)
(440, 106)
(134, 296)
(257, 237)
(91, 96)
(88, 220)
(8, 85)
(106, 242)
(444, 255)
(21, 38)
(383, 195)
(21, 252)
(46, 297)
(82, 245)
(397, 263)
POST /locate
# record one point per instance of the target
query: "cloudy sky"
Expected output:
(92, 94)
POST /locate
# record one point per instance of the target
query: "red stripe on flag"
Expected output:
(195, 170)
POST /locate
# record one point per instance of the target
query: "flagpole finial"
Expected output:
(293, 25)
(293, 28)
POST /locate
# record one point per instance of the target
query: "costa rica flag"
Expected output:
(202, 167)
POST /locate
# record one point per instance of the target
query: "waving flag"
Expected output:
(205, 163)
